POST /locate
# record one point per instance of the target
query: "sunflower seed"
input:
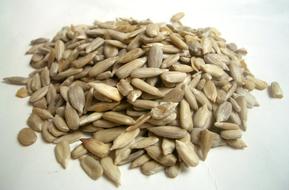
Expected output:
(38, 94)
(118, 118)
(94, 45)
(131, 55)
(46, 135)
(168, 146)
(185, 115)
(237, 143)
(60, 123)
(76, 98)
(172, 171)
(81, 62)
(177, 17)
(70, 137)
(42, 113)
(224, 111)
(231, 134)
(26, 137)
(78, 152)
(144, 142)
(142, 85)
(187, 153)
(124, 139)
(201, 117)
(108, 135)
(173, 76)
(62, 153)
(59, 49)
(71, 117)
(106, 90)
(110, 170)
(125, 70)
(96, 147)
(102, 66)
(150, 168)
(35, 122)
(168, 132)
(155, 153)
(91, 167)
(177, 41)
(101, 123)
(155, 56)
(275, 90)
(121, 154)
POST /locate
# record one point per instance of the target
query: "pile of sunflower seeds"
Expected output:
(156, 96)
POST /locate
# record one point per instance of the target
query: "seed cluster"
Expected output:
(158, 96)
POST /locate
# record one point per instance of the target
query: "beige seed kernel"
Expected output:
(26, 136)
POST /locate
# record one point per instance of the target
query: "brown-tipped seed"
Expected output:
(96, 147)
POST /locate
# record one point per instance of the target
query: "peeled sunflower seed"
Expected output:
(275, 90)
(96, 147)
(62, 153)
(91, 167)
(171, 132)
(26, 136)
(124, 139)
(187, 153)
(110, 170)
(150, 168)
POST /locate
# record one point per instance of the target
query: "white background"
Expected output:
(262, 27)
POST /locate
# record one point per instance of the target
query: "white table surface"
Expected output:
(262, 27)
